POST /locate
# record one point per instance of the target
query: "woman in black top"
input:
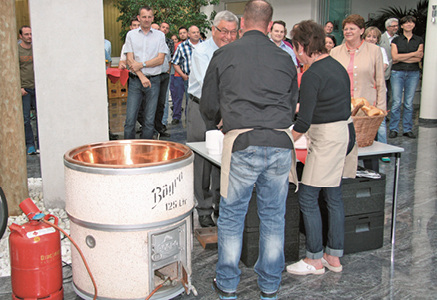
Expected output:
(324, 115)
(406, 52)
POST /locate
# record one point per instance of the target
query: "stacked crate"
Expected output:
(117, 97)
(250, 249)
(363, 200)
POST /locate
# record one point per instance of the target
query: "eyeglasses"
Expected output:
(224, 31)
(393, 26)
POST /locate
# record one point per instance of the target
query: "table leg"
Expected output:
(395, 197)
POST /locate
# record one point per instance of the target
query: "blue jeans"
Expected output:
(160, 107)
(267, 168)
(309, 205)
(165, 115)
(136, 95)
(186, 95)
(403, 82)
(29, 100)
(177, 95)
(382, 133)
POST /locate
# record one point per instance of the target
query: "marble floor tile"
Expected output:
(407, 272)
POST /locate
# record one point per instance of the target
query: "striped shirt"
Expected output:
(182, 55)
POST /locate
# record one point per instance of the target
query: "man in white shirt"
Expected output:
(207, 179)
(146, 64)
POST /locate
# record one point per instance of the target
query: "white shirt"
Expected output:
(200, 59)
(384, 56)
(145, 47)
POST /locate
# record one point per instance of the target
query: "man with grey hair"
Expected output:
(392, 26)
(207, 179)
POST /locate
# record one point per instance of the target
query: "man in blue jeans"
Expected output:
(252, 85)
(27, 85)
(144, 83)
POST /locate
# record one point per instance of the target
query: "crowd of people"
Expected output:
(243, 80)
(249, 90)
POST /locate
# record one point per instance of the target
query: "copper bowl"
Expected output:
(128, 154)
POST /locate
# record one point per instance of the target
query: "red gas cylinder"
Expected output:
(36, 264)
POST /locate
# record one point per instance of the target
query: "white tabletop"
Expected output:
(376, 148)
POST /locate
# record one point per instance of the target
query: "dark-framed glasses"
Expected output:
(224, 31)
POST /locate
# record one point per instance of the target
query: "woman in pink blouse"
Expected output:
(364, 64)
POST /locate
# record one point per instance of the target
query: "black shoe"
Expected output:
(392, 134)
(206, 221)
(222, 294)
(266, 296)
(175, 121)
(164, 134)
(113, 136)
(409, 134)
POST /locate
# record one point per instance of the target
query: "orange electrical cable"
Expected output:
(80, 252)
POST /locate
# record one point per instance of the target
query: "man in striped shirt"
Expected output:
(181, 63)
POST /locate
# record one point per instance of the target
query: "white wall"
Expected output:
(292, 12)
(289, 11)
(70, 81)
(428, 107)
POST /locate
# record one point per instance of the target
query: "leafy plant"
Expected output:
(176, 13)
(420, 13)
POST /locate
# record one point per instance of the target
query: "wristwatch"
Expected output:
(144, 64)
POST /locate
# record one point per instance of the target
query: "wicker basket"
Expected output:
(366, 128)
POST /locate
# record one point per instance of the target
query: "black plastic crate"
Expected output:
(363, 195)
(249, 252)
(363, 232)
(291, 216)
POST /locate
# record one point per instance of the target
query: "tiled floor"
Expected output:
(406, 272)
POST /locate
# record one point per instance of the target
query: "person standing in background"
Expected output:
(277, 34)
(406, 52)
(134, 24)
(108, 52)
(176, 82)
(25, 56)
(391, 26)
(165, 80)
(330, 42)
(329, 27)
(145, 52)
(181, 63)
(363, 62)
